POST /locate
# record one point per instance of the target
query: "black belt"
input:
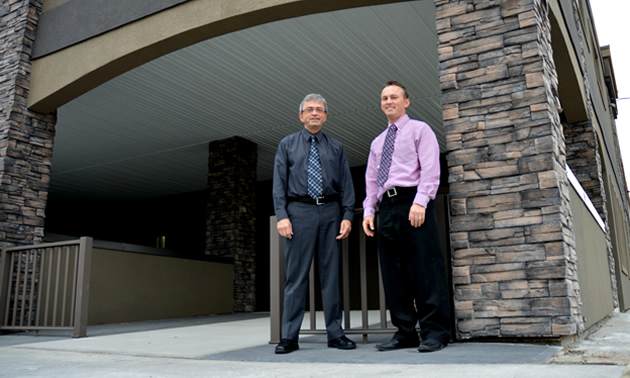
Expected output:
(319, 201)
(400, 191)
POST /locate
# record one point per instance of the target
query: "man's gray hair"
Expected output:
(314, 97)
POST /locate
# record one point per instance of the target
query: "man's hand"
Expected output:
(416, 215)
(368, 225)
(285, 229)
(344, 231)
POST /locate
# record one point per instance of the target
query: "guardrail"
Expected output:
(277, 275)
(46, 286)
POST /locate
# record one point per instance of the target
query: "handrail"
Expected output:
(46, 286)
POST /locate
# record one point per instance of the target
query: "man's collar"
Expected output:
(307, 134)
(400, 121)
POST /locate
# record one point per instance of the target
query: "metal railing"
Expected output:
(46, 286)
(277, 275)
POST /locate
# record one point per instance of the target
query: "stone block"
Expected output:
(466, 156)
(463, 305)
(529, 328)
(515, 7)
(501, 308)
(512, 254)
(498, 276)
(549, 269)
(536, 163)
(527, 19)
(461, 95)
(555, 249)
(452, 9)
(512, 235)
(461, 275)
(443, 25)
(550, 307)
(479, 46)
(564, 329)
(453, 65)
(462, 125)
(483, 75)
(483, 327)
(472, 252)
(455, 36)
(521, 36)
(518, 183)
(494, 172)
(498, 27)
(463, 189)
(450, 111)
(492, 268)
(491, 202)
(458, 206)
(522, 221)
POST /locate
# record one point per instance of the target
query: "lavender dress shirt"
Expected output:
(413, 139)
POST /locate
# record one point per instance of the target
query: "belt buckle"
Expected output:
(318, 199)
(392, 192)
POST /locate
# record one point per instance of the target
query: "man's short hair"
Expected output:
(397, 84)
(314, 97)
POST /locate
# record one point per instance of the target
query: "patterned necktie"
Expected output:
(315, 187)
(386, 158)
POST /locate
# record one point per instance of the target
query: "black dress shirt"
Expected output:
(290, 171)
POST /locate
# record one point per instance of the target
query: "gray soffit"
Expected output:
(145, 133)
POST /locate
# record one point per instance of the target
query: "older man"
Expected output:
(314, 203)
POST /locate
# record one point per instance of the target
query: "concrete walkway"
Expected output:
(237, 346)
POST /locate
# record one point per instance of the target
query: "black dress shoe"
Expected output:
(430, 346)
(394, 344)
(342, 343)
(287, 346)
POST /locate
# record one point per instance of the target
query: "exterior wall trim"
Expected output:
(587, 201)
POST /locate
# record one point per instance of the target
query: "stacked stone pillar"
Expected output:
(26, 138)
(231, 221)
(513, 249)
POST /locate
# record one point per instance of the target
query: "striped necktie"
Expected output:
(386, 158)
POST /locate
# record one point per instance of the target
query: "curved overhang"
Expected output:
(571, 87)
(59, 77)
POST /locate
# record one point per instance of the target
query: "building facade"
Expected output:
(538, 200)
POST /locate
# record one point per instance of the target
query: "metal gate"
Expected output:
(46, 286)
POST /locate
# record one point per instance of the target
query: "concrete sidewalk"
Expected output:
(237, 346)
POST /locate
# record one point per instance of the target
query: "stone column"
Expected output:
(26, 138)
(231, 218)
(513, 249)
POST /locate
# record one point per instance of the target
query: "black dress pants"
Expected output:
(413, 271)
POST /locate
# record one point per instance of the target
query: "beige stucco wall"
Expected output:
(619, 235)
(127, 287)
(592, 263)
(51, 4)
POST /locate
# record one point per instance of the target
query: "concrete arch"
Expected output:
(68, 73)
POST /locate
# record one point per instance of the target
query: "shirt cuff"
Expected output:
(368, 213)
(421, 200)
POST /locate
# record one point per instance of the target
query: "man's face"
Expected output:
(393, 102)
(313, 116)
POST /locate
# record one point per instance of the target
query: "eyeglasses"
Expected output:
(314, 110)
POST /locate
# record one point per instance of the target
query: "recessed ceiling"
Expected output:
(145, 133)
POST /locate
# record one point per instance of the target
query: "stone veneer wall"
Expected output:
(231, 216)
(513, 249)
(585, 162)
(26, 138)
